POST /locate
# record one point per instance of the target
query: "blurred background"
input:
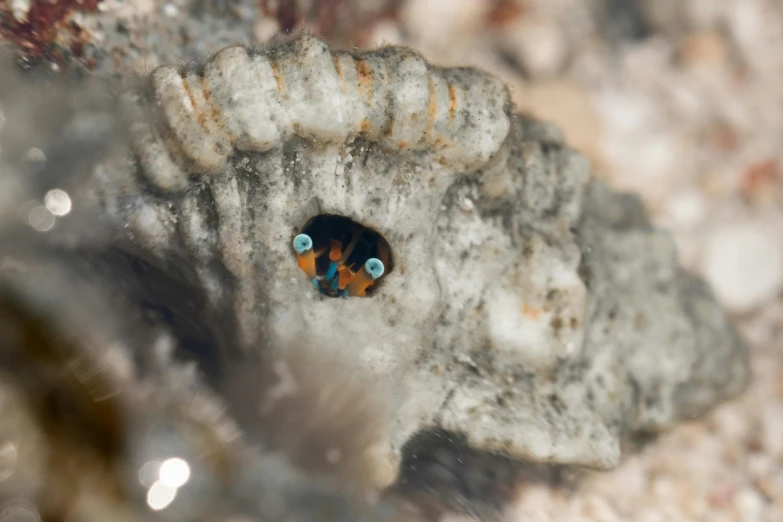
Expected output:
(680, 101)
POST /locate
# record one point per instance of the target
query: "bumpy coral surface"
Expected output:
(523, 304)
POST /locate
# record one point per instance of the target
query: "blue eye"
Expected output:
(374, 267)
(303, 243)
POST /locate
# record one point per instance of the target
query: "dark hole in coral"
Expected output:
(344, 258)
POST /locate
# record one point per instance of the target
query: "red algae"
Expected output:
(47, 28)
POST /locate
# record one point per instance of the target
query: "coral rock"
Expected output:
(524, 304)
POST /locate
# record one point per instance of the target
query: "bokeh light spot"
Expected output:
(159, 496)
(40, 218)
(58, 202)
(174, 472)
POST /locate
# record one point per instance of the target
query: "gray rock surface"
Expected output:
(525, 305)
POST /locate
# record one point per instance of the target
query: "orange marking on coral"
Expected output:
(432, 109)
(366, 125)
(199, 115)
(452, 103)
(529, 311)
(208, 99)
(205, 90)
(338, 67)
(364, 73)
(278, 78)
